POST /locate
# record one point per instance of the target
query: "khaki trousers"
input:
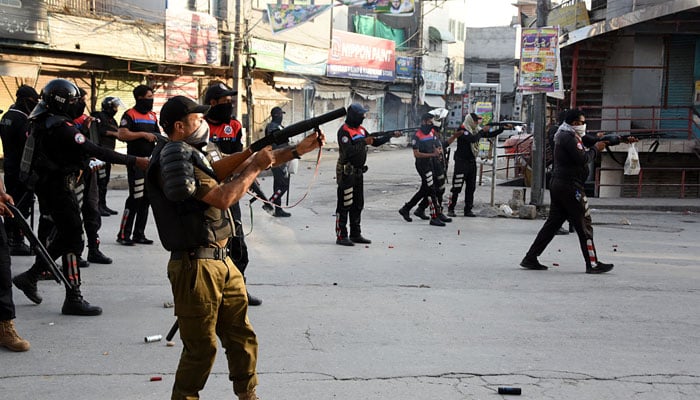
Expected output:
(210, 300)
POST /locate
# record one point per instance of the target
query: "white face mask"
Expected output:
(200, 135)
(579, 129)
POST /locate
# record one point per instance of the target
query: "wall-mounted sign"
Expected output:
(361, 57)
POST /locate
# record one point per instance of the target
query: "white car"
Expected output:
(512, 128)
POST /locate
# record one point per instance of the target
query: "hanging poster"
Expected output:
(538, 59)
(383, 6)
(288, 16)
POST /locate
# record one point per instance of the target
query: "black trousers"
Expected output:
(568, 202)
(427, 194)
(136, 206)
(90, 208)
(464, 175)
(7, 306)
(236, 245)
(280, 183)
(351, 201)
(60, 224)
(102, 182)
(439, 182)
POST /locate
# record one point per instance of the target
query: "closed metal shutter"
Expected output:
(680, 85)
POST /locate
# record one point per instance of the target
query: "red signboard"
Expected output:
(361, 57)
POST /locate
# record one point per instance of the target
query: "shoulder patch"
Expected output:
(228, 129)
(344, 139)
(79, 138)
(579, 146)
(123, 122)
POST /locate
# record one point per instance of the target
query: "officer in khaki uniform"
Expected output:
(190, 199)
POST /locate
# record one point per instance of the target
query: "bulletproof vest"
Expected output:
(353, 147)
(35, 161)
(187, 224)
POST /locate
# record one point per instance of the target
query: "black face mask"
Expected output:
(143, 105)
(277, 119)
(111, 112)
(26, 105)
(76, 110)
(221, 112)
(354, 120)
(426, 128)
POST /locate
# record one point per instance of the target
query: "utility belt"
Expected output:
(349, 169)
(209, 253)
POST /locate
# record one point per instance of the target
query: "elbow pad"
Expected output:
(177, 171)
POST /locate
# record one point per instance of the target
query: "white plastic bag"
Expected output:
(293, 166)
(632, 166)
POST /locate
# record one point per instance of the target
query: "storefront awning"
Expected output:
(264, 94)
(283, 82)
(440, 35)
(405, 98)
(434, 101)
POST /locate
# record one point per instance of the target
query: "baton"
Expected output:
(38, 247)
(172, 332)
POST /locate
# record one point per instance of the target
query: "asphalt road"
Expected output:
(422, 312)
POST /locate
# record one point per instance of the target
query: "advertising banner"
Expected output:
(288, 16)
(269, 55)
(305, 60)
(538, 59)
(191, 37)
(361, 57)
(25, 20)
(405, 67)
(383, 6)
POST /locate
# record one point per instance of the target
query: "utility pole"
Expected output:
(540, 109)
(417, 67)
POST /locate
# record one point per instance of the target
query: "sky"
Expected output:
(483, 13)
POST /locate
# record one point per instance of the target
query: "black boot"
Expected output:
(26, 282)
(344, 241)
(599, 268)
(97, 257)
(252, 300)
(359, 239)
(420, 213)
(406, 214)
(279, 212)
(76, 305)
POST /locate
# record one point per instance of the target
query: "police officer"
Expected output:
(191, 210)
(468, 136)
(87, 193)
(8, 334)
(568, 196)
(108, 131)
(225, 137)
(13, 131)
(427, 150)
(280, 174)
(353, 139)
(60, 150)
(139, 128)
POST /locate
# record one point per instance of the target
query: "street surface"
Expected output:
(422, 313)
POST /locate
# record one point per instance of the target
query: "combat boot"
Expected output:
(599, 268)
(26, 282)
(97, 257)
(436, 222)
(406, 214)
(279, 212)
(420, 213)
(444, 218)
(252, 300)
(344, 241)
(249, 395)
(9, 337)
(75, 304)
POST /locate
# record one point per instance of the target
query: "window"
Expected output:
(493, 66)
(493, 77)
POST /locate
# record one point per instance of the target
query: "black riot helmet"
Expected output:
(59, 96)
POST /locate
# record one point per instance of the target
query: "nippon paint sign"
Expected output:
(361, 57)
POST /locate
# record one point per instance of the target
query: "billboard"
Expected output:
(191, 37)
(25, 20)
(538, 59)
(361, 57)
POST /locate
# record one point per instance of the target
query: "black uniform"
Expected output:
(13, 131)
(61, 153)
(105, 122)
(426, 141)
(280, 173)
(349, 171)
(7, 306)
(464, 174)
(136, 206)
(568, 196)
